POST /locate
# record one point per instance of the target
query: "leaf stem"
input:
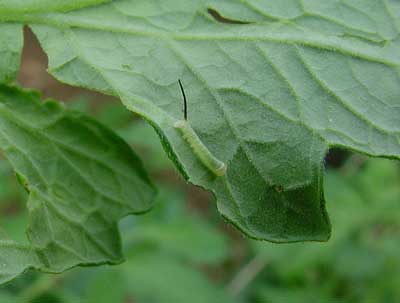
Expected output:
(247, 274)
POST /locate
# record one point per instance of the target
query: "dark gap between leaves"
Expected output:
(336, 157)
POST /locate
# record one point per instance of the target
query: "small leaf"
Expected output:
(10, 51)
(81, 178)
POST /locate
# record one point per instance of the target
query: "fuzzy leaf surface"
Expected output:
(272, 85)
(16, 7)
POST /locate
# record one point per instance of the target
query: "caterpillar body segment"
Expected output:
(215, 165)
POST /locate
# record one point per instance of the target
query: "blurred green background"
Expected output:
(183, 251)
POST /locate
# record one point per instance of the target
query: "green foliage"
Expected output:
(278, 90)
(162, 261)
(272, 86)
(81, 179)
(163, 249)
(194, 287)
(173, 232)
(360, 263)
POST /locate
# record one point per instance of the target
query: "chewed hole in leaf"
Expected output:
(219, 18)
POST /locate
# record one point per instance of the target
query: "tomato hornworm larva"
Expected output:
(199, 149)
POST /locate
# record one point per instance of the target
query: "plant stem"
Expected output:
(246, 275)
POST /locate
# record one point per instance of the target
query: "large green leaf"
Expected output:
(81, 180)
(271, 84)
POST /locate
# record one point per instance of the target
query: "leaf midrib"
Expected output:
(169, 38)
(364, 50)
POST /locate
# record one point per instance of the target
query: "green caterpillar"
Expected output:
(200, 150)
